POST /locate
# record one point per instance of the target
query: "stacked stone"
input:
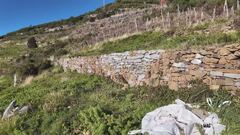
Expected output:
(216, 67)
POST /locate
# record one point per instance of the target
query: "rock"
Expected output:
(224, 52)
(179, 65)
(24, 109)
(214, 87)
(198, 56)
(9, 110)
(198, 74)
(196, 61)
(231, 57)
(229, 82)
(237, 53)
(216, 73)
(141, 77)
(230, 75)
(173, 85)
(204, 52)
(207, 60)
(222, 60)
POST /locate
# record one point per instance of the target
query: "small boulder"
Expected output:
(231, 57)
(196, 62)
(237, 53)
(9, 111)
(224, 52)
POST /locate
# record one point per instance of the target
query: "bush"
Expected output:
(32, 43)
(236, 23)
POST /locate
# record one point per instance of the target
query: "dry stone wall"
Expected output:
(216, 67)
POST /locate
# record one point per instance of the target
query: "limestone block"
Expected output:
(222, 60)
(198, 73)
(231, 75)
(196, 61)
(237, 84)
(224, 52)
(208, 60)
(179, 65)
(231, 57)
(214, 87)
(173, 85)
(198, 56)
(216, 73)
(237, 53)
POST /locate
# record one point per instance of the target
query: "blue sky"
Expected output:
(16, 14)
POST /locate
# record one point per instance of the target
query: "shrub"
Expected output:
(236, 23)
(32, 43)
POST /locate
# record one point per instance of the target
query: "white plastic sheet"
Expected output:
(176, 119)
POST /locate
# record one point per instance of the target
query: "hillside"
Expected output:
(101, 72)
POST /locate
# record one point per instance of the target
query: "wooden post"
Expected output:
(163, 21)
(214, 14)
(202, 15)
(232, 11)
(186, 17)
(189, 17)
(195, 14)
(15, 80)
(169, 20)
(238, 5)
(136, 26)
(179, 14)
(225, 9)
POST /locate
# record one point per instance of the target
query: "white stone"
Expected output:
(230, 75)
(196, 61)
(199, 56)
(237, 84)
(179, 65)
(141, 77)
(216, 73)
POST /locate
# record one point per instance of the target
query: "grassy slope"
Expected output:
(68, 103)
(173, 39)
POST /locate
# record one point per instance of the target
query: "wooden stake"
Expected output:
(214, 14)
(238, 5)
(225, 9)
(15, 80)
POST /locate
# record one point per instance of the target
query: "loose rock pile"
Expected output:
(216, 67)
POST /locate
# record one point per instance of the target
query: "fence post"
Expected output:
(15, 80)
(238, 6)
(225, 8)
(214, 14)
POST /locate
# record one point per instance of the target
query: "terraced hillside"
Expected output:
(67, 102)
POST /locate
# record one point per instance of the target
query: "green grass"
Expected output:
(159, 40)
(70, 103)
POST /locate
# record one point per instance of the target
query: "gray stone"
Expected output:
(179, 65)
(196, 61)
(237, 84)
(9, 111)
(230, 75)
(24, 109)
(216, 73)
(141, 77)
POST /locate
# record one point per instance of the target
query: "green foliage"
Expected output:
(159, 40)
(37, 60)
(68, 103)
